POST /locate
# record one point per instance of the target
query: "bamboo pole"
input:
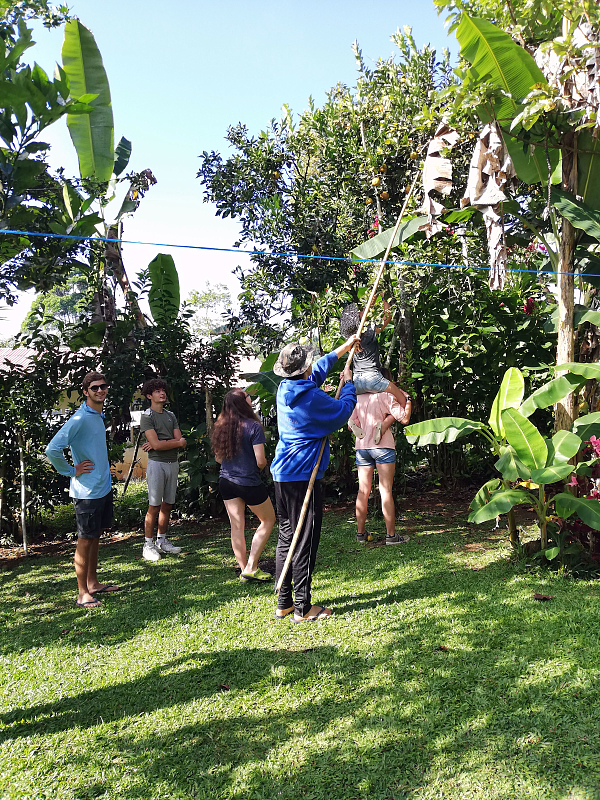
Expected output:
(313, 475)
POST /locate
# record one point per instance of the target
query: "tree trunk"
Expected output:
(565, 412)
(23, 490)
(114, 262)
(209, 409)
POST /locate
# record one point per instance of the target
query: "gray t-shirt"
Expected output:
(367, 358)
(164, 424)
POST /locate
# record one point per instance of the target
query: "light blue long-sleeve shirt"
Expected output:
(85, 435)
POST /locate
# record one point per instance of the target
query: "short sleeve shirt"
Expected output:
(164, 424)
(367, 358)
(243, 469)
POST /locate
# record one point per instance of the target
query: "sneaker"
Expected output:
(364, 537)
(165, 546)
(151, 552)
(397, 539)
(259, 575)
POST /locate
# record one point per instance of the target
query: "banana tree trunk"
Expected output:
(21, 444)
(565, 412)
(114, 262)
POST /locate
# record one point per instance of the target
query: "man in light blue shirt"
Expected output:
(85, 435)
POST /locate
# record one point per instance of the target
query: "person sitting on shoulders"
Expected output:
(375, 448)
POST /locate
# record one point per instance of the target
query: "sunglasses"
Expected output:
(99, 388)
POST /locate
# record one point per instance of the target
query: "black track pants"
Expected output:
(290, 497)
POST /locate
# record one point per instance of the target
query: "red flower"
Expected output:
(530, 306)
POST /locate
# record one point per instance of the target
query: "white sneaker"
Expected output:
(165, 546)
(151, 552)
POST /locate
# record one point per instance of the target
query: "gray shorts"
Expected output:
(161, 477)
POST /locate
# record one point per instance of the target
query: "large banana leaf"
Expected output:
(579, 214)
(500, 503)
(442, 429)
(551, 393)
(562, 447)
(375, 248)
(163, 297)
(588, 425)
(551, 474)
(509, 395)
(122, 155)
(92, 134)
(581, 314)
(484, 495)
(529, 445)
(587, 510)
(268, 380)
(588, 168)
(586, 370)
(510, 467)
(496, 58)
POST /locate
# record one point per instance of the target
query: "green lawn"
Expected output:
(438, 677)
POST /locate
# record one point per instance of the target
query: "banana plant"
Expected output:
(526, 460)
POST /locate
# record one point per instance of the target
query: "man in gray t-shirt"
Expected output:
(163, 439)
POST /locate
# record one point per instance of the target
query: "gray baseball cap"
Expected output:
(293, 360)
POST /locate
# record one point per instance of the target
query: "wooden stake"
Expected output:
(313, 475)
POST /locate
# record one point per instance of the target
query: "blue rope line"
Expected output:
(272, 253)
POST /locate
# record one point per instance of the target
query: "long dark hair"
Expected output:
(226, 438)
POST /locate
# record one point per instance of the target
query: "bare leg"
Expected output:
(92, 574)
(398, 393)
(83, 554)
(365, 479)
(386, 481)
(266, 514)
(235, 511)
(150, 521)
(163, 518)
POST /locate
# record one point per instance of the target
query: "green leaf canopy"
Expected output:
(509, 395)
(92, 134)
(529, 445)
(496, 58)
(551, 474)
(163, 297)
(510, 467)
(442, 429)
(588, 425)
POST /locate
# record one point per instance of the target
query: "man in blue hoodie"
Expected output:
(85, 435)
(305, 416)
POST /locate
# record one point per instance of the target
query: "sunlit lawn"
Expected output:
(439, 676)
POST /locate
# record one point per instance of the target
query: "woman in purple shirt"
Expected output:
(238, 442)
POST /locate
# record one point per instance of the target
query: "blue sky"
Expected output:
(179, 79)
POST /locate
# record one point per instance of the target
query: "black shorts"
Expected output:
(93, 516)
(251, 495)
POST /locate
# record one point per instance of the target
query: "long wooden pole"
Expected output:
(313, 475)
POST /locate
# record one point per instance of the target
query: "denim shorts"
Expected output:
(161, 477)
(370, 382)
(93, 515)
(376, 455)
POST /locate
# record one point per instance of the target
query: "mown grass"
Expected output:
(439, 676)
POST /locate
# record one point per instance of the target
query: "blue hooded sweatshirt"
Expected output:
(305, 415)
(85, 434)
